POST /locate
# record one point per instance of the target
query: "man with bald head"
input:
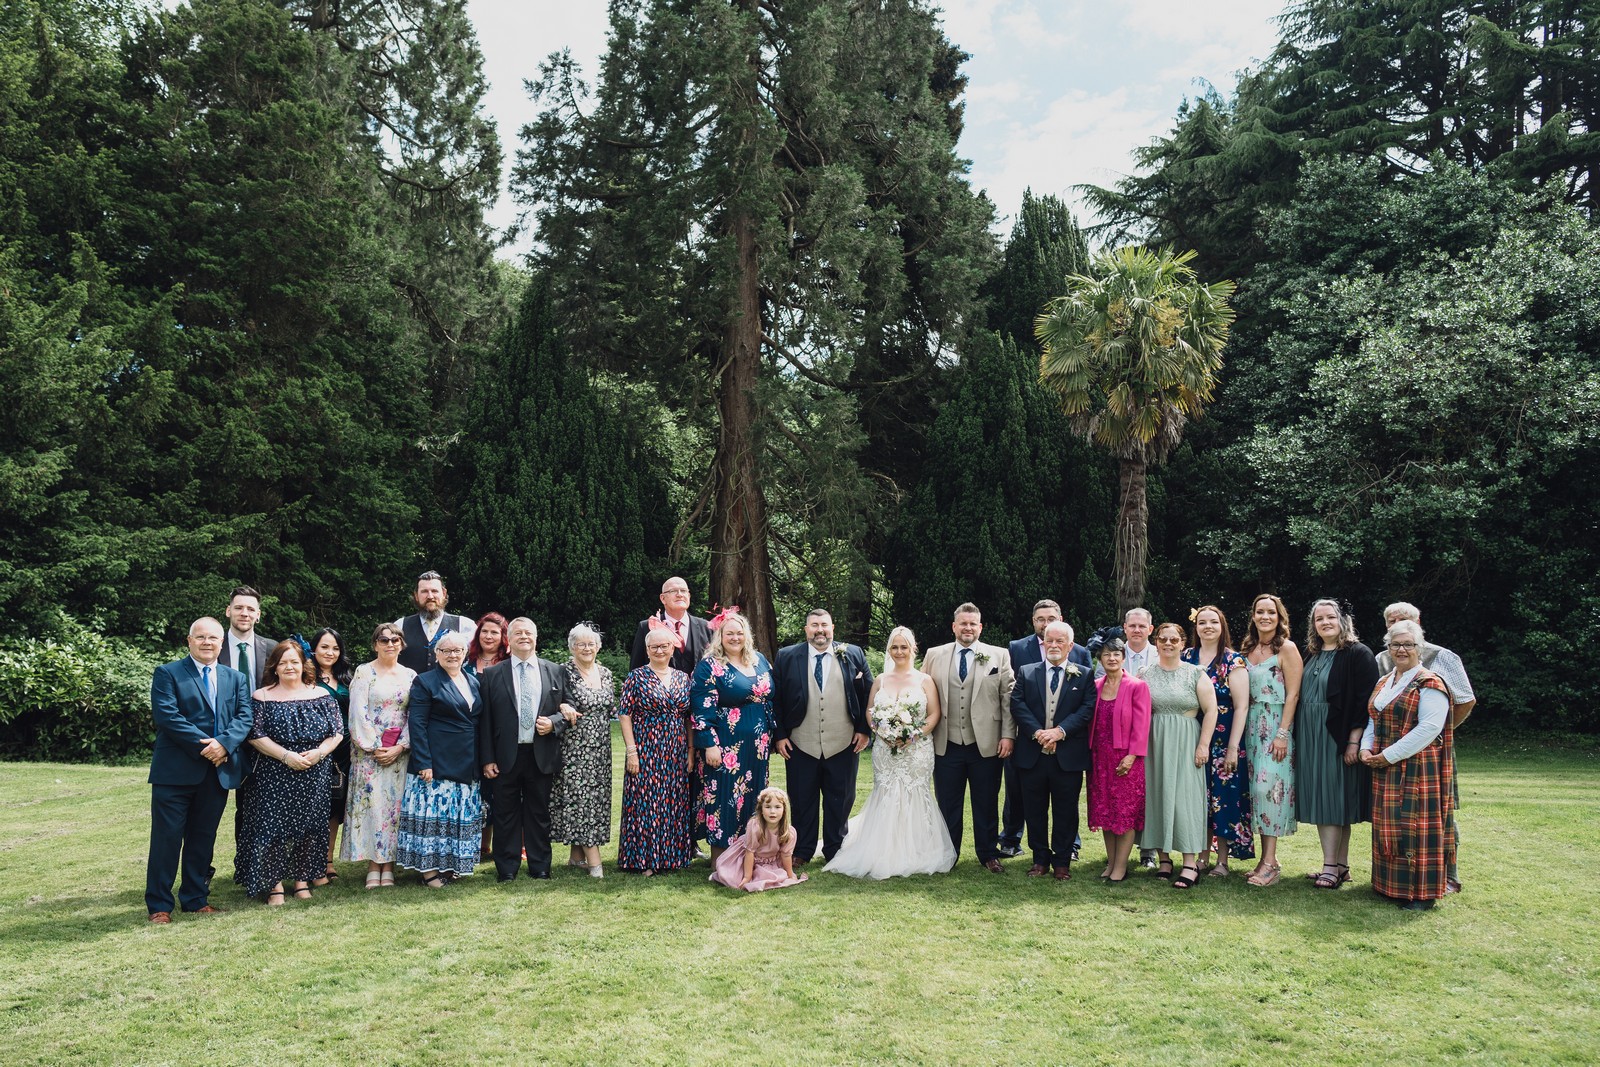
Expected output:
(202, 716)
(1052, 704)
(691, 635)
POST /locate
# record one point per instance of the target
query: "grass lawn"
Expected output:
(961, 968)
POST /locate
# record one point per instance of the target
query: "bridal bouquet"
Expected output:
(898, 723)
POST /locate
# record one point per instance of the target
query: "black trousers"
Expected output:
(832, 781)
(183, 830)
(1050, 795)
(960, 768)
(1011, 810)
(522, 817)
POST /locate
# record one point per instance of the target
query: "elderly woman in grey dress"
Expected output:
(1332, 787)
(1183, 716)
(580, 799)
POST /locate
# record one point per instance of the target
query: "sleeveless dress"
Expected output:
(580, 797)
(1271, 781)
(899, 831)
(1175, 789)
(767, 872)
(1227, 795)
(732, 711)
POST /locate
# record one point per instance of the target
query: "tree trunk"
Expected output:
(1133, 535)
(741, 570)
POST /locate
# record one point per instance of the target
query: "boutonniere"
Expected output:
(981, 657)
(1073, 670)
(842, 654)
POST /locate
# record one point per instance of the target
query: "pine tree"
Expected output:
(562, 514)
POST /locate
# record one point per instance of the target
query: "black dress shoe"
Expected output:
(1416, 905)
(505, 878)
(1005, 848)
(545, 875)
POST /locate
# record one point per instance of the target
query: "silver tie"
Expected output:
(525, 714)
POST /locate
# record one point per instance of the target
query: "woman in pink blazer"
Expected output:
(1118, 741)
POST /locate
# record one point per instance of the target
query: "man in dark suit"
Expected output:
(692, 635)
(526, 708)
(1025, 650)
(202, 716)
(244, 648)
(1053, 703)
(821, 727)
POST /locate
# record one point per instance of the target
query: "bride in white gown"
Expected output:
(899, 830)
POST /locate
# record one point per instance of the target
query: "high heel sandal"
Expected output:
(1266, 875)
(302, 888)
(274, 893)
(1183, 881)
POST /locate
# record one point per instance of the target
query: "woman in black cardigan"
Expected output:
(441, 814)
(1332, 786)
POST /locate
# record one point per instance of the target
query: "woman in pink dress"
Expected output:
(763, 856)
(1118, 740)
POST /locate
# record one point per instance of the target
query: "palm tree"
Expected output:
(1132, 352)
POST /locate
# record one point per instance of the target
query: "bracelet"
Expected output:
(1282, 735)
(631, 751)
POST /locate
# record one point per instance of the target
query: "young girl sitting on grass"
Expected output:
(763, 856)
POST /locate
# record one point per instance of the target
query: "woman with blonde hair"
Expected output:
(1274, 666)
(730, 708)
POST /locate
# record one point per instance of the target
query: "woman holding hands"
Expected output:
(1227, 771)
(1119, 739)
(441, 814)
(1274, 667)
(1180, 744)
(580, 798)
(380, 737)
(657, 818)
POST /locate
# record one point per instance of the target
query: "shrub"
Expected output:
(83, 698)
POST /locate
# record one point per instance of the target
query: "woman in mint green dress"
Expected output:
(1275, 668)
(1175, 775)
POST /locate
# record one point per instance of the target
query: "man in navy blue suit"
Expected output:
(202, 715)
(1052, 704)
(1025, 650)
(821, 727)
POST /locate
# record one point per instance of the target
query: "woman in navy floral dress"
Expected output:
(657, 818)
(1227, 768)
(730, 703)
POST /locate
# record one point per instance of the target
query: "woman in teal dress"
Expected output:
(334, 670)
(1332, 786)
(1175, 777)
(730, 705)
(1227, 771)
(1275, 667)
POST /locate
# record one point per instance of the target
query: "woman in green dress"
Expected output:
(1175, 776)
(1332, 786)
(1275, 667)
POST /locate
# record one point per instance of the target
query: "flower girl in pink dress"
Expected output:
(763, 856)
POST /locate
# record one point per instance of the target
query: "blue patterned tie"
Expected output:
(817, 674)
(964, 653)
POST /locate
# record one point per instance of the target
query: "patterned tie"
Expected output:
(817, 673)
(243, 662)
(1055, 679)
(964, 653)
(211, 694)
(525, 714)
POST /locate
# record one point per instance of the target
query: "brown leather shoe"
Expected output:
(1063, 874)
(207, 910)
(994, 866)
(1038, 870)
(162, 917)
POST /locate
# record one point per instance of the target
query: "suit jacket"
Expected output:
(793, 687)
(685, 658)
(497, 736)
(260, 648)
(991, 696)
(184, 719)
(1074, 712)
(1026, 650)
(444, 727)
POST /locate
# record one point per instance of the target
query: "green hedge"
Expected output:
(84, 698)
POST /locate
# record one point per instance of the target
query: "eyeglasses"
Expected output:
(388, 641)
(1401, 646)
(452, 652)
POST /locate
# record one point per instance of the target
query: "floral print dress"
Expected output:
(378, 707)
(732, 711)
(1271, 781)
(580, 798)
(1227, 795)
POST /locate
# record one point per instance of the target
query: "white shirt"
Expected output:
(467, 629)
(525, 737)
(1431, 715)
(1132, 662)
(235, 639)
(828, 667)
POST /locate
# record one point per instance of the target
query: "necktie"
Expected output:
(524, 697)
(817, 673)
(1055, 679)
(243, 662)
(964, 653)
(211, 694)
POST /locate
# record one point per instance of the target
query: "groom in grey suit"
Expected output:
(975, 732)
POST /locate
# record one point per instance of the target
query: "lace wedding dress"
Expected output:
(899, 830)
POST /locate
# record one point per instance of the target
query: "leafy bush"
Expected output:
(83, 698)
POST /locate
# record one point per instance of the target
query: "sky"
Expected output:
(1060, 92)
